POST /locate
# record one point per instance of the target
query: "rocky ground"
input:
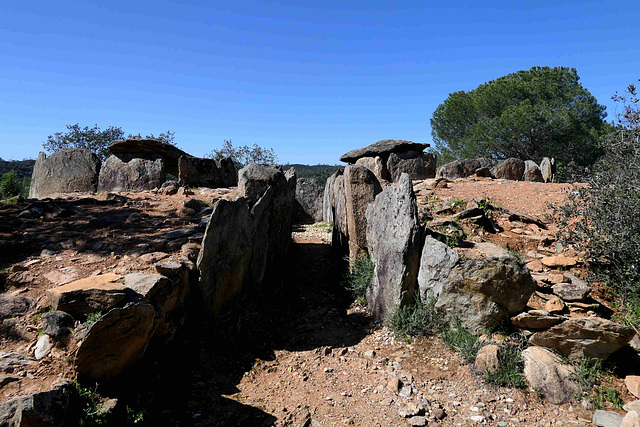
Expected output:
(312, 358)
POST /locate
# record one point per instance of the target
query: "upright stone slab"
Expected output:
(226, 250)
(394, 238)
(436, 262)
(340, 232)
(361, 187)
(136, 174)
(532, 172)
(417, 165)
(65, 171)
(376, 165)
(465, 168)
(548, 169)
(328, 204)
(309, 195)
(511, 169)
(198, 172)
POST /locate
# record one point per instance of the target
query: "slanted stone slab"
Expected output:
(383, 149)
(145, 285)
(585, 337)
(558, 261)
(65, 171)
(115, 341)
(131, 148)
(88, 295)
(309, 195)
(545, 373)
(531, 321)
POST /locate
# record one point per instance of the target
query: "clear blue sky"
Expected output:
(311, 79)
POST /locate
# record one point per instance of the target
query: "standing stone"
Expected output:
(511, 169)
(394, 237)
(585, 337)
(465, 168)
(328, 204)
(375, 165)
(339, 239)
(545, 373)
(418, 165)
(136, 174)
(197, 172)
(548, 169)
(254, 179)
(309, 194)
(115, 341)
(482, 292)
(361, 187)
(532, 172)
(225, 253)
(436, 262)
(65, 171)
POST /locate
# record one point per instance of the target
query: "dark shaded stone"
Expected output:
(417, 165)
(383, 149)
(148, 148)
(309, 195)
(65, 171)
(57, 324)
(465, 168)
(198, 172)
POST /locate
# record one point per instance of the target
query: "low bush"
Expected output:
(419, 318)
(460, 340)
(510, 372)
(359, 278)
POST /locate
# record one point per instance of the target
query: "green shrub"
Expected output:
(10, 186)
(359, 278)
(460, 340)
(510, 371)
(419, 318)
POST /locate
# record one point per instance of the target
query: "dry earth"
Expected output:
(311, 358)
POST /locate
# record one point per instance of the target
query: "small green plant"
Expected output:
(457, 204)
(91, 403)
(321, 225)
(460, 340)
(452, 241)
(419, 318)
(93, 318)
(519, 254)
(630, 313)
(510, 371)
(134, 416)
(359, 278)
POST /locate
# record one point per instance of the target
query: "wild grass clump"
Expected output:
(419, 318)
(360, 278)
(463, 342)
(510, 371)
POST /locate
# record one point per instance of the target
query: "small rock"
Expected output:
(633, 384)
(153, 257)
(632, 406)
(405, 391)
(168, 268)
(554, 305)
(607, 419)
(370, 354)
(57, 324)
(394, 385)
(487, 358)
(632, 419)
(559, 261)
(478, 419)
(43, 346)
(6, 379)
(439, 413)
(417, 421)
(574, 291)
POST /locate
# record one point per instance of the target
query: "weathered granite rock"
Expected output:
(487, 358)
(532, 321)
(115, 341)
(43, 346)
(14, 306)
(607, 418)
(633, 384)
(137, 174)
(339, 237)
(375, 165)
(585, 337)
(481, 292)
(225, 254)
(465, 168)
(418, 165)
(261, 217)
(57, 324)
(10, 361)
(327, 200)
(631, 419)
(394, 239)
(532, 172)
(65, 171)
(545, 373)
(548, 169)
(575, 291)
(254, 179)
(436, 262)
(309, 194)
(47, 409)
(382, 148)
(88, 295)
(361, 187)
(198, 172)
(511, 169)
(146, 148)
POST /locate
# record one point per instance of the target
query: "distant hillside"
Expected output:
(24, 168)
(321, 172)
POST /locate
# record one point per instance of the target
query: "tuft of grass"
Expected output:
(510, 372)
(93, 318)
(419, 318)
(461, 341)
(360, 278)
(321, 225)
(457, 204)
(630, 313)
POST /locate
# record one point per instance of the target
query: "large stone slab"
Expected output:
(585, 337)
(65, 171)
(115, 341)
(136, 174)
(548, 169)
(198, 172)
(361, 187)
(327, 199)
(47, 408)
(383, 149)
(254, 179)
(88, 295)
(394, 239)
(532, 172)
(340, 232)
(545, 373)
(417, 165)
(464, 168)
(143, 148)
(436, 262)
(482, 292)
(511, 169)
(375, 165)
(309, 195)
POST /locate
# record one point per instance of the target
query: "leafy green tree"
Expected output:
(95, 139)
(9, 185)
(529, 114)
(244, 154)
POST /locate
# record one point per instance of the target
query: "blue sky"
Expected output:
(312, 80)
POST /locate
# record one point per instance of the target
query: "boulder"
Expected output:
(585, 337)
(148, 148)
(394, 239)
(548, 169)
(418, 165)
(436, 262)
(545, 373)
(633, 384)
(487, 358)
(115, 341)
(225, 254)
(88, 295)
(383, 149)
(575, 291)
(198, 172)
(631, 419)
(361, 187)
(309, 195)
(65, 171)
(14, 306)
(57, 324)
(136, 174)
(482, 292)
(511, 169)
(47, 408)
(375, 165)
(465, 168)
(254, 179)
(607, 418)
(532, 172)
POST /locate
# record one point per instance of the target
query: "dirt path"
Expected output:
(313, 360)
